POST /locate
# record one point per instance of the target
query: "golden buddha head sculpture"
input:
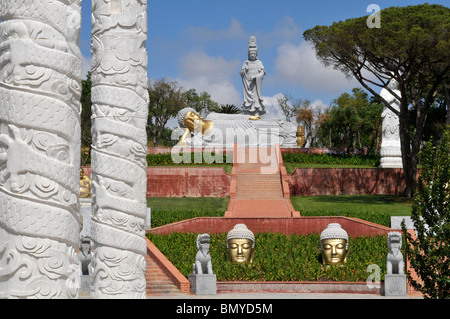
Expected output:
(189, 118)
(334, 245)
(240, 245)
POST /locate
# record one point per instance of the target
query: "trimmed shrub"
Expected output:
(164, 217)
(332, 159)
(192, 159)
(278, 257)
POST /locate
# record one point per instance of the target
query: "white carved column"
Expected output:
(119, 179)
(40, 76)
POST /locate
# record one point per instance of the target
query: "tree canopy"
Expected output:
(412, 46)
(353, 121)
(166, 99)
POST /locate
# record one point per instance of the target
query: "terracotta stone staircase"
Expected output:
(161, 275)
(258, 184)
(157, 280)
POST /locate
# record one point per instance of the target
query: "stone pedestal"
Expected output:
(391, 162)
(395, 285)
(203, 284)
(85, 283)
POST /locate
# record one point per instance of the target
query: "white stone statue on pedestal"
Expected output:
(395, 278)
(203, 281)
(391, 154)
(252, 74)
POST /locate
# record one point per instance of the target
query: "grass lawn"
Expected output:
(391, 204)
(374, 208)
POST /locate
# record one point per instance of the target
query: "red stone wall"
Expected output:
(346, 181)
(214, 182)
(288, 226)
(187, 182)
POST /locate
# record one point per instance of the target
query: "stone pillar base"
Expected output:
(395, 285)
(203, 284)
(85, 283)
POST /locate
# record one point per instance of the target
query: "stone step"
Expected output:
(259, 183)
(157, 281)
(261, 208)
(161, 291)
(270, 193)
(256, 184)
(258, 196)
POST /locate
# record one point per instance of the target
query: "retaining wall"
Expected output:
(215, 182)
(284, 225)
(346, 181)
(187, 182)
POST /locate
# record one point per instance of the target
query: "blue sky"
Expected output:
(203, 43)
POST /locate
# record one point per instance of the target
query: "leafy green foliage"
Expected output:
(412, 46)
(300, 158)
(85, 120)
(353, 122)
(201, 102)
(429, 253)
(278, 257)
(192, 158)
(228, 109)
(166, 99)
(332, 159)
(162, 217)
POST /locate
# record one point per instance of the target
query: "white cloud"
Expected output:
(213, 75)
(273, 110)
(234, 31)
(298, 65)
(284, 30)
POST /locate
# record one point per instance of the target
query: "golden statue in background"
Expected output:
(240, 245)
(85, 185)
(300, 136)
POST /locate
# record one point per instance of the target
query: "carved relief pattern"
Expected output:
(119, 148)
(40, 87)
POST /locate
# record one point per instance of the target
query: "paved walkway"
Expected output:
(278, 296)
(259, 296)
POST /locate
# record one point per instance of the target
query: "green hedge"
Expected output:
(300, 158)
(192, 158)
(162, 217)
(278, 257)
(331, 159)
